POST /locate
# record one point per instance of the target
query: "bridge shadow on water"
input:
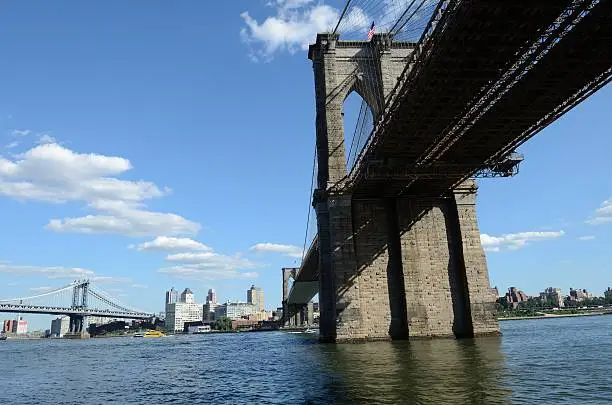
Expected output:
(444, 371)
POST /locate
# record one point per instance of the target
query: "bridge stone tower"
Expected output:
(389, 267)
(78, 323)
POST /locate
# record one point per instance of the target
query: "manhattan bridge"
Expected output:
(77, 300)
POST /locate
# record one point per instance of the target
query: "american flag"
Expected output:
(371, 32)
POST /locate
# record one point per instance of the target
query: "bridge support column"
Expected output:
(445, 271)
(481, 296)
(340, 305)
(77, 328)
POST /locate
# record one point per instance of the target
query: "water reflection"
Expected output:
(417, 372)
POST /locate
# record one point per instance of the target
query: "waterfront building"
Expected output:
(515, 296)
(255, 296)
(171, 296)
(579, 295)
(208, 313)
(553, 294)
(235, 310)
(7, 326)
(608, 293)
(60, 326)
(17, 326)
(185, 310)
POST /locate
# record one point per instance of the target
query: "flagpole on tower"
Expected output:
(371, 32)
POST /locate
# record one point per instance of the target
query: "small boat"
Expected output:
(3, 337)
(154, 334)
(311, 330)
(138, 334)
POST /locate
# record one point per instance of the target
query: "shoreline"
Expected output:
(549, 316)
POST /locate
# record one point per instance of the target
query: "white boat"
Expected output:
(311, 330)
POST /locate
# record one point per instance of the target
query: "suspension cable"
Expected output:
(312, 180)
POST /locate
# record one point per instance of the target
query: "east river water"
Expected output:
(552, 361)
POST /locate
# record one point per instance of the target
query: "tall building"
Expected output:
(255, 296)
(60, 326)
(171, 296)
(184, 310)
(211, 297)
(187, 296)
(210, 306)
(608, 293)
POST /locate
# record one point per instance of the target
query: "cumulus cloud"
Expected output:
(162, 243)
(209, 266)
(294, 26)
(515, 241)
(588, 237)
(288, 250)
(603, 214)
(52, 173)
(127, 219)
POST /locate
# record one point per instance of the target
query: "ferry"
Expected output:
(138, 334)
(154, 334)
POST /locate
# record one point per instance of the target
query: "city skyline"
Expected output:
(175, 188)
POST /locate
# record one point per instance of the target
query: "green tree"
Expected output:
(223, 323)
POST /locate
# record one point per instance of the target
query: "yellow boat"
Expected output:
(153, 334)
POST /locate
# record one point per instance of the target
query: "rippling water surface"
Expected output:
(552, 361)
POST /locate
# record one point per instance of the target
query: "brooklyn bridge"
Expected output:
(397, 250)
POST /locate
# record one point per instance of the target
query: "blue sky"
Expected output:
(155, 144)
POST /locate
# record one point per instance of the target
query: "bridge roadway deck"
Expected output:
(445, 83)
(69, 311)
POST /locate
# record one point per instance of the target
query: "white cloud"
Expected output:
(51, 273)
(515, 241)
(209, 266)
(294, 26)
(110, 279)
(12, 145)
(603, 214)
(52, 173)
(46, 138)
(588, 237)
(127, 219)
(169, 243)
(21, 132)
(143, 286)
(41, 289)
(288, 250)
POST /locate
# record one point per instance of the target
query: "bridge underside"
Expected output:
(399, 250)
